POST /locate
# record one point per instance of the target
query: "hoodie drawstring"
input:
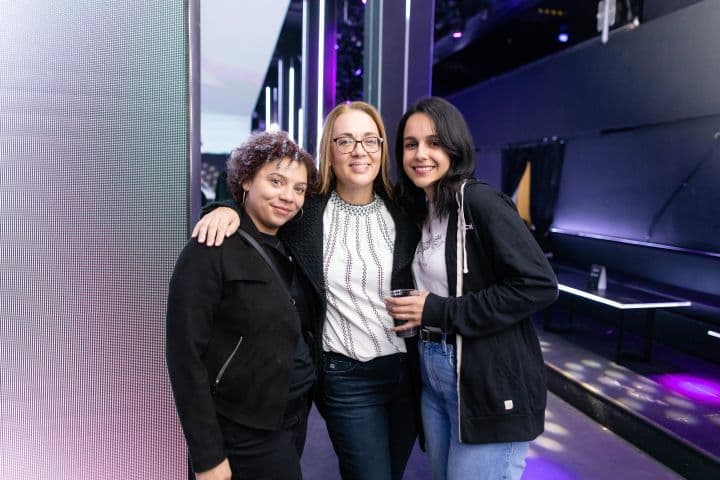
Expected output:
(463, 227)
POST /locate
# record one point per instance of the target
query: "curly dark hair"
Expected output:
(261, 148)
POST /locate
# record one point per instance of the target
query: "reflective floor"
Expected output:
(572, 447)
(675, 391)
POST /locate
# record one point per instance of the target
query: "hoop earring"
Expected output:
(301, 212)
(244, 192)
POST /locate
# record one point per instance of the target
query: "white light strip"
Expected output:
(303, 75)
(606, 21)
(713, 333)
(632, 242)
(301, 128)
(406, 60)
(280, 96)
(621, 306)
(268, 99)
(381, 6)
(291, 102)
(321, 75)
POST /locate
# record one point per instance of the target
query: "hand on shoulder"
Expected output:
(214, 227)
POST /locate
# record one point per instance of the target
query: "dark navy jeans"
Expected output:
(369, 413)
(268, 454)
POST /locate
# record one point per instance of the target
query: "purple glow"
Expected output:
(358, 72)
(630, 241)
(364, 2)
(702, 390)
(545, 469)
(457, 35)
(563, 38)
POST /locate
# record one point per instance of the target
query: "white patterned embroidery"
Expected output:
(358, 243)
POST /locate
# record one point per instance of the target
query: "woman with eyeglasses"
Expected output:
(355, 246)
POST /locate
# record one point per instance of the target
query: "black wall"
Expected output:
(640, 116)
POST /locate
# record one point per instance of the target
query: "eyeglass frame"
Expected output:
(361, 142)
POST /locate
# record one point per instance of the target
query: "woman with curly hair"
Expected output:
(355, 246)
(239, 344)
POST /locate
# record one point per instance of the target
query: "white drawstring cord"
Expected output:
(464, 227)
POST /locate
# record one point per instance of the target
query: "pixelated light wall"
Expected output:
(93, 174)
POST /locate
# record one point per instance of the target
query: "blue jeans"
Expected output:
(369, 413)
(450, 459)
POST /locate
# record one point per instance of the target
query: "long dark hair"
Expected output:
(456, 140)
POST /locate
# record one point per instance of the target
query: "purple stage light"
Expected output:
(563, 38)
(358, 72)
(702, 390)
(457, 34)
(544, 469)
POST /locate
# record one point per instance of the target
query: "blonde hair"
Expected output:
(327, 177)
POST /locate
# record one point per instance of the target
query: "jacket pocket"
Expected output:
(336, 365)
(491, 387)
(226, 363)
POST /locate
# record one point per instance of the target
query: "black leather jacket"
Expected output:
(232, 332)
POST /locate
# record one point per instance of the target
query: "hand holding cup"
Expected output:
(406, 307)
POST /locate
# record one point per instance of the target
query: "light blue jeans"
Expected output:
(450, 459)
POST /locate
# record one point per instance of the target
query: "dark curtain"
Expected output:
(514, 160)
(546, 165)
(546, 159)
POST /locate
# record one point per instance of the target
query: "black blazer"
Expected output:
(232, 332)
(303, 236)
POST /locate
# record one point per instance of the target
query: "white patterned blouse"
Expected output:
(357, 266)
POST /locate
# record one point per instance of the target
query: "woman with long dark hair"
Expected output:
(481, 275)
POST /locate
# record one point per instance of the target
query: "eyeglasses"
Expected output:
(347, 144)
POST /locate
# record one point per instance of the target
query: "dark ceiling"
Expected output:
(479, 39)
(474, 39)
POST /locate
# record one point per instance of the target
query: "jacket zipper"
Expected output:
(225, 365)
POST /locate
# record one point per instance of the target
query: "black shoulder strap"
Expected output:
(253, 243)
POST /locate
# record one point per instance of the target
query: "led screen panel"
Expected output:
(93, 211)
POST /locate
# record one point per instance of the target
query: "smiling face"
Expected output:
(275, 194)
(425, 161)
(355, 172)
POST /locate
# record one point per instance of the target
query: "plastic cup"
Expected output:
(404, 292)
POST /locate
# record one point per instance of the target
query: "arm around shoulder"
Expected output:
(220, 220)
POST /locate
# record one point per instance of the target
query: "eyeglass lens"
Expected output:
(348, 144)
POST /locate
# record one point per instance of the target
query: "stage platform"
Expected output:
(669, 406)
